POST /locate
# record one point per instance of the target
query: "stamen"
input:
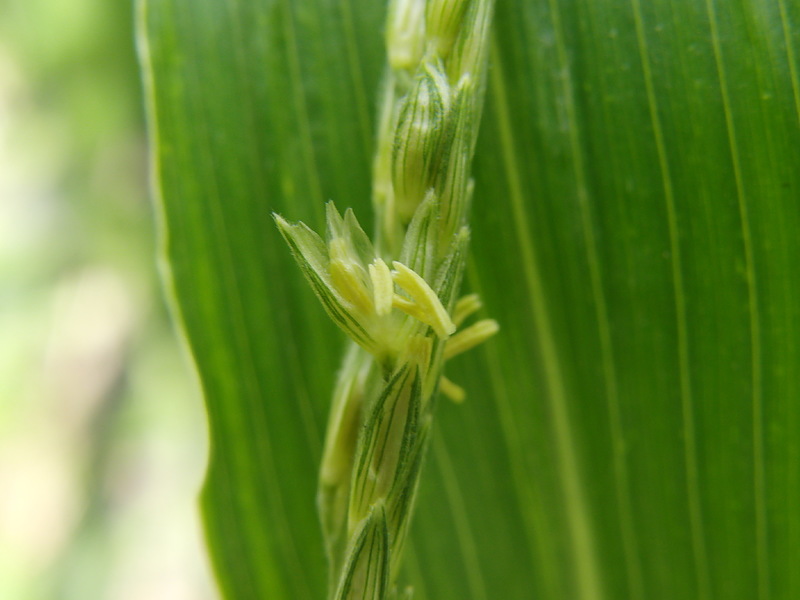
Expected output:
(470, 337)
(412, 309)
(453, 391)
(348, 282)
(382, 286)
(466, 306)
(432, 312)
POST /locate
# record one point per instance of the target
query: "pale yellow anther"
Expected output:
(453, 391)
(412, 309)
(470, 337)
(348, 280)
(466, 306)
(382, 286)
(431, 312)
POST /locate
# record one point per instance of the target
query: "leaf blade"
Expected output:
(629, 151)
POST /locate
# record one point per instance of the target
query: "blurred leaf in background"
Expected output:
(101, 434)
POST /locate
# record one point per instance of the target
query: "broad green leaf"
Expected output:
(633, 431)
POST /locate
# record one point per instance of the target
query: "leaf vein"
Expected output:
(699, 547)
(759, 485)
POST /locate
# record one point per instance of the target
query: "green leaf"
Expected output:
(633, 431)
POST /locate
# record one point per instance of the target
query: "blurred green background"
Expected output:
(102, 433)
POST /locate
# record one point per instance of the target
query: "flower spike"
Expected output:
(395, 295)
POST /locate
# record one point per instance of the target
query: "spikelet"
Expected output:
(396, 297)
